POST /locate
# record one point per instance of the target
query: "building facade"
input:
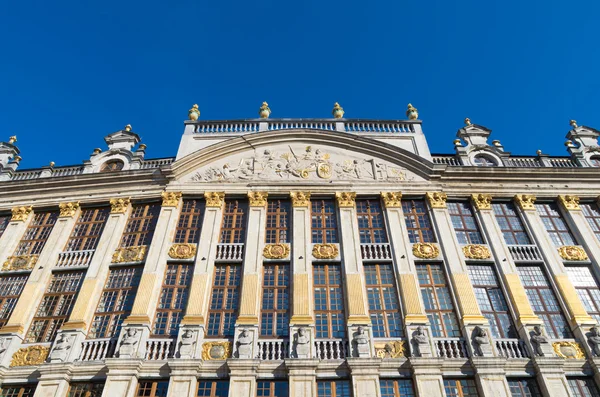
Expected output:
(306, 258)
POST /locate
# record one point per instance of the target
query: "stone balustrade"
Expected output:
(230, 252)
(74, 258)
(159, 349)
(451, 347)
(331, 349)
(511, 348)
(376, 252)
(525, 253)
(273, 349)
(97, 349)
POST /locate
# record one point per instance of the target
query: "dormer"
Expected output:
(120, 154)
(477, 151)
(8, 151)
(582, 145)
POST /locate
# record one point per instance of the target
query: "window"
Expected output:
(87, 230)
(544, 302)
(152, 389)
(17, 390)
(460, 388)
(329, 301)
(587, 288)
(438, 301)
(10, 290)
(417, 221)
(384, 306)
(583, 387)
(112, 165)
(491, 301)
(272, 389)
(140, 226)
(224, 301)
(396, 388)
(464, 223)
(371, 225)
(324, 222)
(4, 221)
(595, 161)
(278, 221)
(275, 300)
(190, 222)
(524, 388)
(592, 214)
(116, 301)
(55, 307)
(484, 161)
(37, 233)
(234, 222)
(555, 225)
(86, 389)
(173, 297)
(213, 388)
(510, 223)
(333, 388)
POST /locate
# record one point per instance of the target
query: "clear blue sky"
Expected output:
(74, 71)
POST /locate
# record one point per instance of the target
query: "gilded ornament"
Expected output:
(570, 202)
(572, 253)
(482, 201)
(214, 199)
(12, 139)
(525, 201)
(32, 355)
(324, 170)
(300, 199)
(170, 199)
(425, 250)
(573, 123)
(130, 254)
(68, 210)
(338, 111)
(437, 199)
(411, 112)
(468, 121)
(194, 113)
(21, 213)
(276, 251)
(325, 251)
(182, 251)
(127, 127)
(119, 205)
(216, 350)
(19, 262)
(264, 112)
(392, 199)
(568, 350)
(393, 349)
(257, 199)
(476, 251)
(345, 199)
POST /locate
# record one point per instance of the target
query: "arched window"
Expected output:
(595, 161)
(484, 161)
(112, 165)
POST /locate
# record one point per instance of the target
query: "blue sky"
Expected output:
(73, 72)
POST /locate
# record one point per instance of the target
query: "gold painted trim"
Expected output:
(436, 199)
(345, 199)
(130, 254)
(170, 199)
(572, 253)
(12, 329)
(476, 251)
(300, 199)
(276, 251)
(20, 214)
(257, 199)
(391, 349)
(392, 199)
(19, 262)
(192, 320)
(525, 201)
(140, 319)
(74, 325)
(569, 202)
(325, 251)
(68, 210)
(214, 199)
(482, 201)
(32, 355)
(182, 251)
(119, 205)
(579, 354)
(208, 346)
(302, 320)
(425, 250)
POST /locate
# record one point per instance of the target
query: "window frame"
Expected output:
(143, 233)
(88, 389)
(277, 313)
(81, 242)
(524, 390)
(234, 214)
(272, 388)
(23, 388)
(576, 381)
(10, 300)
(214, 383)
(396, 386)
(4, 222)
(230, 295)
(591, 212)
(460, 387)
(370, 211)
(472, 236)
(384, 311)
(333, 388)
(277, 230)
(189, 222)
(499, 210)
(555, 234)
(320, 232)
(328, 313)
(421, 221)
(41, 230)
(439, 313)
(154, 384)
(179, 296)
(586, 290)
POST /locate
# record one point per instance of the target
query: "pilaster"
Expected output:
(14, 231)
(53, 381)
(365, 376)
(551, 376)
(302, 377)
(490, 376)
(184, 378)
(122, 377)
(242, 377)
(428, 376)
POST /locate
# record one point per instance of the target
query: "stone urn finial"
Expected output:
(52, 163)
(411, 112)
(12, 139)
(539, 152)
(264, 112)
(128, 127)
(468, 121)
(338, 111)
(573, 123)
(194, 113)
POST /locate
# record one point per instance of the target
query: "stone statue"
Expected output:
(594, 340)
(538, 339)
(421, 341)
(60, 351)
(244, 344)
(302, 343)
(128, 344)
(480, 337)
(187, 344)
(362, 343)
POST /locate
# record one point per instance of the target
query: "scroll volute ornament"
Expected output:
(569, 202)
(300, 199)
(572, 253)
(19, 262)
(325, 251)
(437, 199)
(525, 201)
(568, 350)
(68, 210)
(476, 251)
(482, 201)
(21, 213)
(257, 199)
(276, 251)
(216, 350)
(130, 254)
(425, 250)
(345, 199)
(182, 251)
(119, 205)
(32, 355)
(214, 199)
(170, 199)
(392, 199)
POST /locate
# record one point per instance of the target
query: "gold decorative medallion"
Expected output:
(276, 251)
(571, 203)
(568, 350)
(345, 199)
(257, 199)
(170, 199)
(482, 201)
(68, 210)
(394, 349)
(216, 350)
(119, 205)
(19, 262)
(32, 355)
(300, 199)
(324, 170)
(476, 251)
(392, 199)
(21, 213)
(214, 199)
(130, 254)
(425, 250)
(182, 251)
(437, 199)
(525, 201)
(572, 253)
(325, 251)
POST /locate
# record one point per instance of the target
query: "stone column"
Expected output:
(356, 296)
(21, 216)
(302, 377)
(490, 376)
(365, 376)
(54, 380)
(183, 381)
(551, 376)
(428, 376)
(580, 226)
(242, 377)
(122, 377)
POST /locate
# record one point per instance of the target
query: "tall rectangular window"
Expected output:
(10, 290)
(173, 297)
(524, 387)
(4, 221)
(384, 306)
(417, 221)
(224, 303)
(37, 233)
(278, 222)
(460, 388)
(555, 224)
(396, 388)
(87, 389)
(233, 228)
(213, 388)
(544, 302)
(152, 388)
(587, 289)
(272, 388)
(17, 390)
(87, 230)
(324, 222)
(438, 301)
(329, 301)
(189, 223)
(140, 225)
(592, 215)
(491, 301)
(55, 307)
(333, 388)
(116, 301)
(583, 387)
(371, 226)
(464, 223)
(510, 224)
(275, 300)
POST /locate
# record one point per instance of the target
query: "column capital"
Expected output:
(257, 199)
(68, 210)
(170, 199)
(436, 199)
(392, 199)
(21, 213)
(214, 199)
(345, 199)
(569, 202)
(525, 201)
(300, 199)
(482, 201)
(119, 205)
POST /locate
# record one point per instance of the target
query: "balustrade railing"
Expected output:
(230, 252)
(376, 252)
(525, 253)
(68, 171)
(155, 163)
(26, 174)
(378, 126)
(522, 162)
(304, 124)
(220, 127)
(273, 349)
(97, 349)
(159, 349)
(451, 347)
(75, 258)
(511, 348)
(447, 160)
(331, 349)
(562, 163)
